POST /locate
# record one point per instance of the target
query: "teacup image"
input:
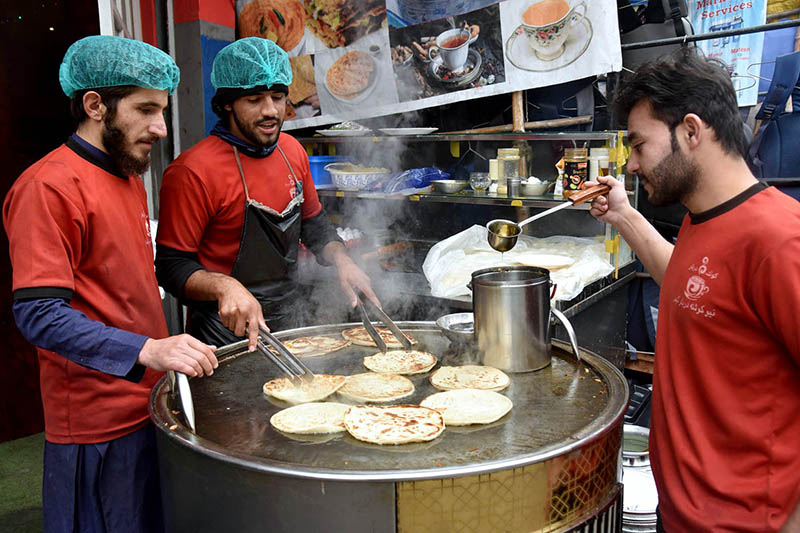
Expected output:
(547, 24)
(452, 47)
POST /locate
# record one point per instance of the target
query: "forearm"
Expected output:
(335, 253)
(203, 285)
(652, 249)
(52, 324)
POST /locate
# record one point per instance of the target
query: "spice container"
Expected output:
(512, 185)
(479, 181)
(598, 163)
(575, 169)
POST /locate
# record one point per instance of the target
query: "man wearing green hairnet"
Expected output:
(85, 292)
(235, 206)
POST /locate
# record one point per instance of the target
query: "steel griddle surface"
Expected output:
(554, 409)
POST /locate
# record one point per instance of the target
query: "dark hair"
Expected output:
(686, 82)
(226, 95)
(109, 95)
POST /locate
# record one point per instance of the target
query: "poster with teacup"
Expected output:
(446, 55)
(365, 59)
(561, 39)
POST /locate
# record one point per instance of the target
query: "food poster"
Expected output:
(363, 59)
(741, 53)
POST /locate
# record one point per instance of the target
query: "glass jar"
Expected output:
(509, 167)
(575, 169)
(479, 181)
(598, 163)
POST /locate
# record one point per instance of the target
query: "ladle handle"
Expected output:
(588, 194)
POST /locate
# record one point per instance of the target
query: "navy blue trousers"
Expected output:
(106, 487)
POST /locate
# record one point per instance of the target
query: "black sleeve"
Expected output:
(173, 268)
(316, 232)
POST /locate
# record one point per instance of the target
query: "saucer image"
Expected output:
(469, 73)
(521, 56)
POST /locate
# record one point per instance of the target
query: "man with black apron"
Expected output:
(236, 205)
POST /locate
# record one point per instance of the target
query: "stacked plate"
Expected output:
(640, 499)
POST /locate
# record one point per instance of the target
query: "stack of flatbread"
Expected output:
(320, 388)
(371, 387)
(393, 424)
(311, 418)
(469, 377)
(360, 337)
(463, 407)
(350, 74)
(400, 362)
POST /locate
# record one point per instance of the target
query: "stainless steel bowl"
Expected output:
(458, 327)
(448, 186)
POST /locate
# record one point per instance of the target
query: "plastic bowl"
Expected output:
(448, 186)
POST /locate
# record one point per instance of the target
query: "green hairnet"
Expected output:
(110, 61)
(251, 62)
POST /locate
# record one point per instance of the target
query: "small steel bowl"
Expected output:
(448, 186)
(458, 327)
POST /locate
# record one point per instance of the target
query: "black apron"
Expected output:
(266, 265)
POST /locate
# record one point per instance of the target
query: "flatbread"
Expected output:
(323, 386)
(371, 387)
(469, 377)
(314, 345)
(393, 424)
(464, 407)
(360, 337)
(280, 21)
(400, 362)
(315, 417)
(350, 74)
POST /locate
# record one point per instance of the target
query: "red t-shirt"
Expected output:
(72, 225)
(725, 440)
(202, 197)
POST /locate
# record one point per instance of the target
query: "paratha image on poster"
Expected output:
(447, 55)
(343, 22)
(303, 97)
(280, 21)
(355, 77)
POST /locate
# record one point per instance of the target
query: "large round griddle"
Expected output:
(557, 409)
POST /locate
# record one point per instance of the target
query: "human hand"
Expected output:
(181, 353)
(611, 207)
(240, 312)
(350, 277)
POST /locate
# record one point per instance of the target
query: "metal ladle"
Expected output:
(503, 233)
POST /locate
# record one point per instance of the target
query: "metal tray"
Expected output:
(557, 409)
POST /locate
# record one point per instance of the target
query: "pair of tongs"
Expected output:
(285, 360)
(373, 333)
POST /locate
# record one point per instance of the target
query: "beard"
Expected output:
(117, 146)
(250, 133)
(673, 178)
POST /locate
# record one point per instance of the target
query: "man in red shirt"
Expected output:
(234, 207)
(85, 292)
(725, 432)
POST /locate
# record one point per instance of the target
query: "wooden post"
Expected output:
(517, 111)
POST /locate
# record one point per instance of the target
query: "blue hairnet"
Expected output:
(251, 62)
(110, 61)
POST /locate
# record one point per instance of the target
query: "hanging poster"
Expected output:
(354, 60)
(742, 53)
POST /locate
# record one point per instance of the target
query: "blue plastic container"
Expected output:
(317, 164)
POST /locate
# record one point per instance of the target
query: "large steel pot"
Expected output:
(512, 317)
(548, 465)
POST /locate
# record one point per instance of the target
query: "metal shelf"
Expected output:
(459, 198)
(525, 136)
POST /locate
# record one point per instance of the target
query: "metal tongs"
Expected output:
(373, 333)
(285, 360)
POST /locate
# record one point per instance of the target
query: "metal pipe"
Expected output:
(712, 35)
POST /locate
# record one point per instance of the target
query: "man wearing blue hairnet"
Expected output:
(85, 291)
(235, 206)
